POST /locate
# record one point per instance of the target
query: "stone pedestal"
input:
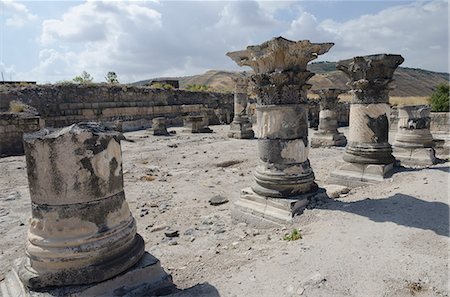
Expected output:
(284, 180)
(159, 126)
(368, 152)
(240, 127)
(413, 146)
(327, 134)
(197, 124)
(81, 230)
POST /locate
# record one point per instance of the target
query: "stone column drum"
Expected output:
(81, 229)
(284, 179)
(197, 124)
(413, 146)
(328, 134)
(240, 127)
(368, 155)
(159, 126)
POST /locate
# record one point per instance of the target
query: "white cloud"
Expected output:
(17, 14)
(140, 40)
(411, 30)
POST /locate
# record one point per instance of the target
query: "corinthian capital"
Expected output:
(370, 76)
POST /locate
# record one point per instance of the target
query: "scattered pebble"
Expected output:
(218, 200)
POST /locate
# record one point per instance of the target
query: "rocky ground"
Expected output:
(389, 239)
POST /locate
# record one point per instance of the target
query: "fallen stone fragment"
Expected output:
(228, 163)
(334, 191)
(218, 200)
(171, 233)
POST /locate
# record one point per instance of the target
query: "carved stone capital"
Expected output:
(288, 87)
(370, 76)
(328, 97)
(279, 54)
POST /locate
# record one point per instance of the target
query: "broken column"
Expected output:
(413, 146)
(368, 155)
(284, 179)
(197, 124)
(328, 135)
(159, 126)
(81, 230)
(241, 127)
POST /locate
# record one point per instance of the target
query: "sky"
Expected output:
(53, 41)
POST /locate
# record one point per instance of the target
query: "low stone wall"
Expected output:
(12, 127)
(440, 121)
(134, 107)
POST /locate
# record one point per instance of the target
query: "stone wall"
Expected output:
(63, 105)
(440, 121)
(12, 127)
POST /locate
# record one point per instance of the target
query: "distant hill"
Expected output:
(409, 81)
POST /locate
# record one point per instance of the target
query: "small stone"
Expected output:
(334, 191)
(192, 238)
(300, 290)
(219, 231)
(218, 200)
(173, 242)
(13, 196)
(21, 224)
(189, 231)
(171, 233)
(158, 228)
(172, 145)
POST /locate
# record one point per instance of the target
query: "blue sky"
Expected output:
(50, 41)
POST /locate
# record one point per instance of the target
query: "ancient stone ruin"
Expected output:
(81, 231)
(328, 134)
(413, 146)
(159, 126)
(197, 124)
(241, 127)
(284, 178)
(368, 155)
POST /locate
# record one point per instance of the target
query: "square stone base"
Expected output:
(327, 140)
(241, 130)
(414, 157)
(145, 278)
(354, 175)
(264, 212)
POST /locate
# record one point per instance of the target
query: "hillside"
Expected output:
(409, 81)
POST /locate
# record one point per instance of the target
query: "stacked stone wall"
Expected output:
(63, 105)
(12, 127)
(440, 121)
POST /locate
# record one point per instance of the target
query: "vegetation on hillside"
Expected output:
(164, 86)
(197, 88)
(440, 98)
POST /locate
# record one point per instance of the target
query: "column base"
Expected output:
(264, 212)
(414, 157)
(326, 140)
(241, 130)
(145, 278)
(354, 174)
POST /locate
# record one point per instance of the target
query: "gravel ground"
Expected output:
(389, 239)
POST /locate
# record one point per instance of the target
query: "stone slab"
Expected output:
(414, 157)
(264, 212)
(145, 278)
(327, 140)
(355, 175)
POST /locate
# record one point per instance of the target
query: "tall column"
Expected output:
(328, 135)
(368, 155)
(284, 179)
(413, 146)
(241, 127)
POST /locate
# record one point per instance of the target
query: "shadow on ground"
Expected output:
(199, 290)
(400, 209)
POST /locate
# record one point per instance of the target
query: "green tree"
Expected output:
(197, 88)
(440, 98)
(84, 78)
(111, 78)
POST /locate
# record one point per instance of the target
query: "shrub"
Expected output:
(84, 78)
(159, 85)
(440, 98)
(294, 235)
(16, 106)
(197, 88)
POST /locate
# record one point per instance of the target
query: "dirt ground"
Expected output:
(389, 239)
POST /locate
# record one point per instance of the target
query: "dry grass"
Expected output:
(16, 106)
(410, 100)
(393, 100)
